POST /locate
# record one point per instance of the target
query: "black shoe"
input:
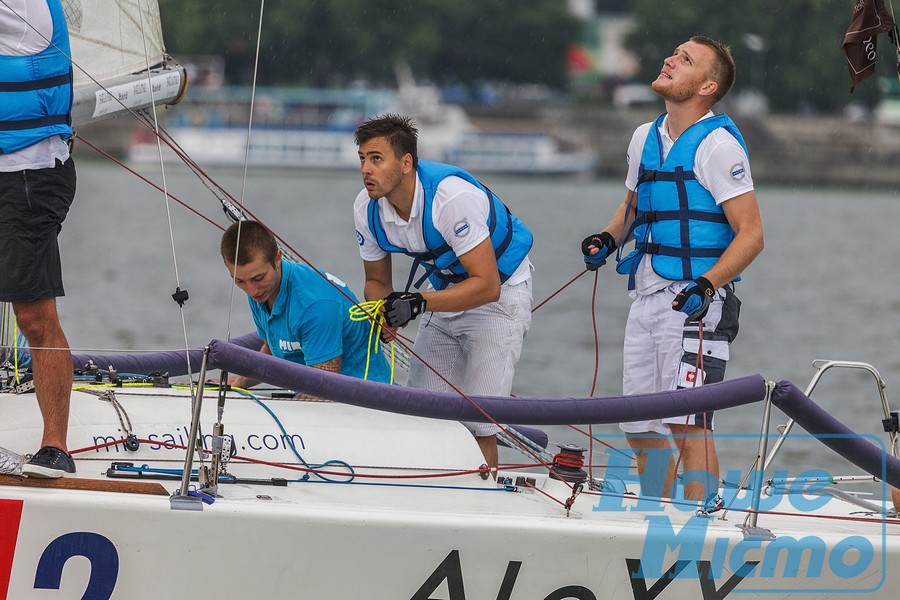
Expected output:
(49, 463)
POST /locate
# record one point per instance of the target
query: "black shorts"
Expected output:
(33, 205)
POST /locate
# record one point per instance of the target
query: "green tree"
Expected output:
(332, 42)
(802, 65)
(503, 40)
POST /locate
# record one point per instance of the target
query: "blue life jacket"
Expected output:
(36, 91)
(510, 238)
(677, 221)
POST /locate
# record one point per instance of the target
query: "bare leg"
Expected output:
(488, 445)
(698, 454)
(895, 497)
(39, 323)
(652, 484)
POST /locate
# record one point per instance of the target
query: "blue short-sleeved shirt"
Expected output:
(310, 324)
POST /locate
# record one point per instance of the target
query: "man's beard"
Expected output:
(676, 92)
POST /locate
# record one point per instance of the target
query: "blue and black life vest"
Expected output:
(510, 238)
(36, 91)
(677, 221)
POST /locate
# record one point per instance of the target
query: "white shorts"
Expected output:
(476, 350)
(661, 350)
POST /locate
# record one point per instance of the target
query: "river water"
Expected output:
(824, 287)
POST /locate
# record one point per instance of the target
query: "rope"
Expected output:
(565, 285)
(596, 370)
(371, 311)
(568, 459)
(316, 470)
(699, 372)
(124, 419)
(312, 470)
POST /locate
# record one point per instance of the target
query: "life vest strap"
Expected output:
(430, 270)
(679, 252)
(653, 216)
(34, 123)
(37, 84)
(648, 175)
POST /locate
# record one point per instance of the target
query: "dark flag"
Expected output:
(870, 18)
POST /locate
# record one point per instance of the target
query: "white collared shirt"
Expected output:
(459, 211)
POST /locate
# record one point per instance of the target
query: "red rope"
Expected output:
(698, 372)
(554, 294)
(596, 369)
(564, 459)
(479, 471)
(290, 467)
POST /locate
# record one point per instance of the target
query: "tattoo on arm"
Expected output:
(333, 365)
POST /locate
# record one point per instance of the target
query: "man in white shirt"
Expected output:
(476, 256)
(692, 210)
(37, 186)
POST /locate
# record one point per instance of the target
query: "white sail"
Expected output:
(113, 43)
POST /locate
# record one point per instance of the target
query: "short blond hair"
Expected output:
(722, 70)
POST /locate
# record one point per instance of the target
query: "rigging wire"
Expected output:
(165, 192)
(262, 10)
(179, 296)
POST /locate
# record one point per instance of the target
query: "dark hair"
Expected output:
(722, 70)
(255, 239)
(398, 130)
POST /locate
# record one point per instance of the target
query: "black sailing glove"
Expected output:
(694, 299)
(402, 307)
(605, 245)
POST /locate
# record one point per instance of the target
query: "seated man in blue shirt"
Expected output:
(301, 313)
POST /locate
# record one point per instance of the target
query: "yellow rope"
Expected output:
(371, 311)
(94, 386)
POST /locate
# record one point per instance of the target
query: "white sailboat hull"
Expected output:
(383, 538)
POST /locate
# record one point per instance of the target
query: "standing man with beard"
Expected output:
(692, 211)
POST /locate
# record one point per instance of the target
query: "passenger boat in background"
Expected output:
(313, 129)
